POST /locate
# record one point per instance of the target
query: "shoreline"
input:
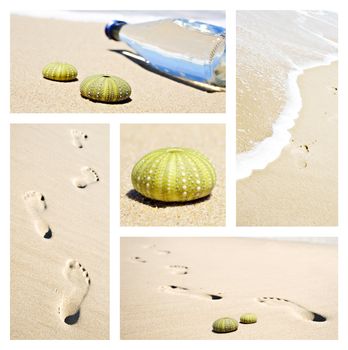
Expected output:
(300, 188)
(269, 149)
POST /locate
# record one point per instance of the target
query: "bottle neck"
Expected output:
(112, 29)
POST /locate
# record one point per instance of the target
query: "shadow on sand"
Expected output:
(136, 196)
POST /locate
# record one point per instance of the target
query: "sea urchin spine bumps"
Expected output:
(105, 88)
(225, 325)
(174, 175)
(248, 318)
(59, 71)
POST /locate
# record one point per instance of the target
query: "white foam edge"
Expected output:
(269, 149)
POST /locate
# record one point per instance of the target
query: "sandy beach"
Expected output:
(59, 231)
(300, 188)
(188, 283)
(135, 143)
(37, 42)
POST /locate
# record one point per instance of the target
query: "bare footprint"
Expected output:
(302, 153)
(35, 204)
(88, 177)
(157, 251)
(78, 137)
(178, 269)
(187, 292)
(163, 252)
(69, 308)
(149, 246)
(138, 259)
(296, 309)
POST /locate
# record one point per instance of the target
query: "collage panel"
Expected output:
(172, 175)
(229, 288)
(59, 231)
(118, 62)
(287, 118)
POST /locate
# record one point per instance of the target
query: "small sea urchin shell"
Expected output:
(59, 71)
(248, 318)
(105, 88)
(174, 175)
(225, 325)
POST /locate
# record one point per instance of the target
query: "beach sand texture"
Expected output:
(71, 265)
(188, 283)
(300, 188)
(138, 140)
(37, 42)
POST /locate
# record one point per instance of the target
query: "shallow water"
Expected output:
(273, 49)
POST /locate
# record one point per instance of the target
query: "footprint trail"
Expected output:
(88, 177)
(298, 310)
(78, 137)
(35, 204)
(69, 308)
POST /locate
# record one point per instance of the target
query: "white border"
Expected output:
(115, 120)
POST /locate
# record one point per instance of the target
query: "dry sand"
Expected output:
(36, 42)
(44, 159)
(138, 140)
(300, 187)
(160, 301)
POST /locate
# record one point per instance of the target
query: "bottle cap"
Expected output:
(112, 29)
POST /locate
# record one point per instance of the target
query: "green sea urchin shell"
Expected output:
(248, 318)
(59, 71)
(225, 325)
(105, 88)
(174, 175)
